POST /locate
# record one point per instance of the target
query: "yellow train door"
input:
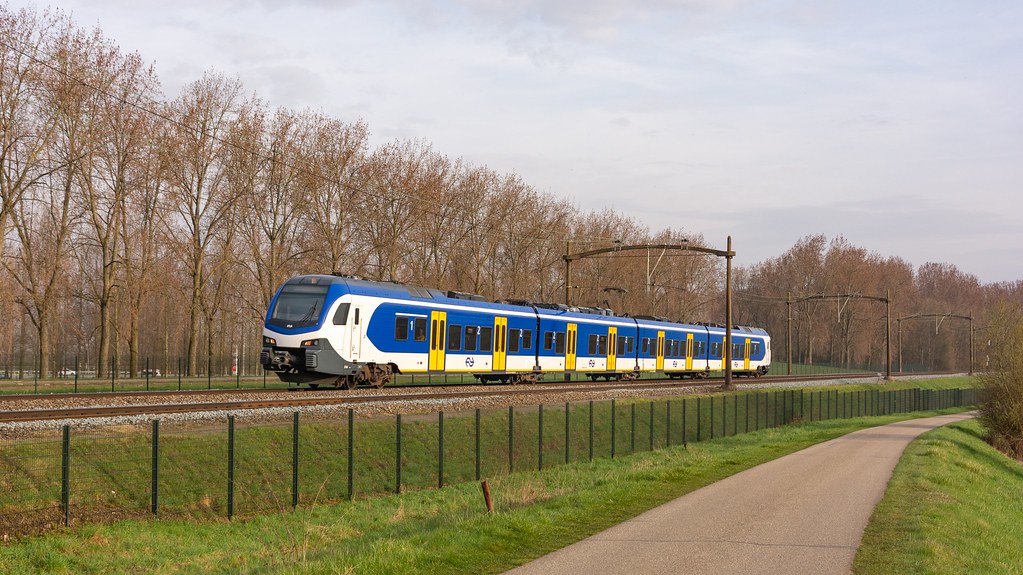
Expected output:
(570, 349)
(612, 348)
(746, 354)
(689, 352)
(660, 351)
(438, 339)
(500, 343)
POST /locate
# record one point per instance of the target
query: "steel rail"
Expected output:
(297, 401)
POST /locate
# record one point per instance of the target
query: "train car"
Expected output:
(344, 331)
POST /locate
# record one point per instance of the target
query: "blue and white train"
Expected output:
(343, 331)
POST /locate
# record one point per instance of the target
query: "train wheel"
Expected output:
(344, 382)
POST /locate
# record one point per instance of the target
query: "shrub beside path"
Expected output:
(802, 513)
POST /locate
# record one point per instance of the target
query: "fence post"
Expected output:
(591, 430)
(735, 414)
(479, 443)
(230, 467)
(397, 454)
(440, 449)
(614, 422)
(567, 432)
(351, 454)
(76, 374)
(156, 467)
(712, 417)
(511, 439)
(756, 411)
(539, 435)
(667, 424)
(651, 426)
(747, 412)
(65, 475)
(684, 402)
(147, 374)
(699, 418)
(724, 416)
(294, 461)
(776, 408)
(632, 431)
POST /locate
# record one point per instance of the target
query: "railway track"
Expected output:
(294, 400)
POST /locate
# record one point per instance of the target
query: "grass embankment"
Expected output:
(435, 531)
(953, 506)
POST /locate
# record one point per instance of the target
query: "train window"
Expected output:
(513, 340)
(356, 316)
(602, 345)
(621, 345)
(401, 328)
(754, 349)
(471, 332)
(341, 315)
(592, 348)
(548, 340)
(418, 329)
(454, 337)
(527, 339)
(486, 338)
(630, 345)
(559, 342)
(715, 350)
(738, 350)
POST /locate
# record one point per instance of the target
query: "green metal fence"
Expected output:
(72, 475)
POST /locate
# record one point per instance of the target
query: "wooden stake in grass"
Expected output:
(486, 496)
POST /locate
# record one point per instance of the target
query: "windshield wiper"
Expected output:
(310, 314)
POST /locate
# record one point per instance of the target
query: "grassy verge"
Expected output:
(435, 531)
(110, 471)
(952, 506)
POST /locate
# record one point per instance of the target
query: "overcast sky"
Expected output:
(897, 124)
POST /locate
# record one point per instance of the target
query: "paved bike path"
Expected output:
(802, 513)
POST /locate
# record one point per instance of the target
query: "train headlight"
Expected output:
(269, 341)
(311, 343)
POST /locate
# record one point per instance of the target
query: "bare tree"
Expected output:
(44, 218)
(141, 230)
(202, 117)
(118, 133)
(269, 167)
(337, 174)
(397, 174)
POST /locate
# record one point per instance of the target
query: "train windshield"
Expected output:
(298, 305)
